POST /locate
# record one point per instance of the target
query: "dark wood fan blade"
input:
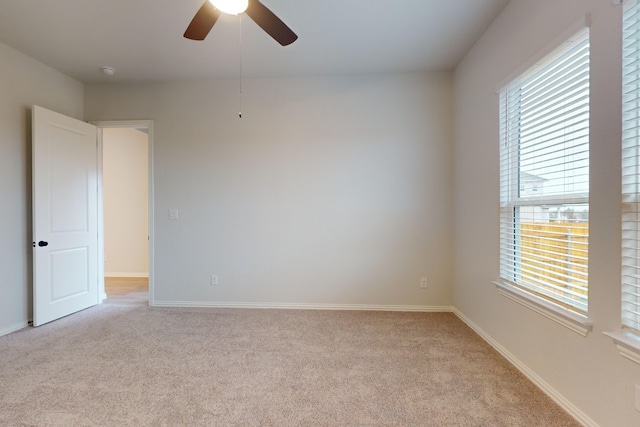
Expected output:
(203, 22)
(270, 23)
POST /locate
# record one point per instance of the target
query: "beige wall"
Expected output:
(23, 83)
(125, 195)
(588, 372)
(329, 190)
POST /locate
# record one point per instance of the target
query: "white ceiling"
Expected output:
(143, 40)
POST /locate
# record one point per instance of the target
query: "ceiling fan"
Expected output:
(210, 11)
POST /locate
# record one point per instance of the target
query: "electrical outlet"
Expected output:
(423, 283)
(174, 215)
(637, 397)
(214, 280)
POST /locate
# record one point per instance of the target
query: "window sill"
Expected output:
(628, 345)
(573, 321)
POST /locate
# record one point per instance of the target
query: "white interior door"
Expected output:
(65, 215)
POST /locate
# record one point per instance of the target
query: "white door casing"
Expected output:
(65, 215)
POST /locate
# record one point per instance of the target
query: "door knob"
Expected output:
(42, 243)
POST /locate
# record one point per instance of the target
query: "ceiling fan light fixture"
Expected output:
(231, 7)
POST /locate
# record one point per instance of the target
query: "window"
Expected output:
(631, 168)
(544, 141)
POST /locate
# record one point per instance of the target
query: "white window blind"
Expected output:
(631, 167)
(544, 177)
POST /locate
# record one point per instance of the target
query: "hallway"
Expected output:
(127, 290)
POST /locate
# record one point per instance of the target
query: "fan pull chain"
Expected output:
(240, 101)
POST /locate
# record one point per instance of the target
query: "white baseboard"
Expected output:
(565, 403)
(126, 274)
(304, 306)
(13, 328)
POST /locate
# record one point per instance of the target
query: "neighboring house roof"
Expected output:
(525, 176)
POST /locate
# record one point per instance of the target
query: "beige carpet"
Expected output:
(118, 365)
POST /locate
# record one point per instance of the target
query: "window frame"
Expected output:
(630, 208)
(627, 339)
(510, 203)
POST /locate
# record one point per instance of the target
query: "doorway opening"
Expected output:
(126, 210)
